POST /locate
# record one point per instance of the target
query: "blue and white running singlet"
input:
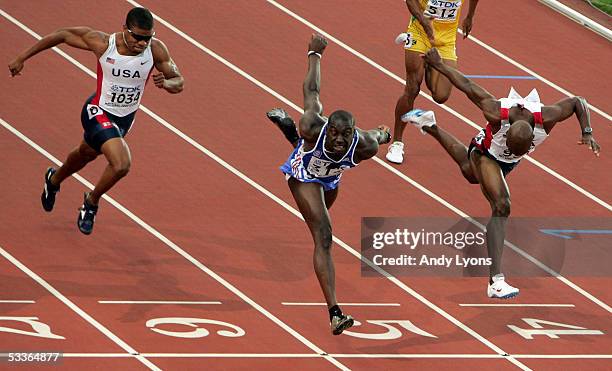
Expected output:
(315, 166)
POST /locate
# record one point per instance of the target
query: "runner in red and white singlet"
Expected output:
(516, 125)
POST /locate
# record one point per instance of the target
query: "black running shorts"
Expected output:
(100, 126)
(506, 167)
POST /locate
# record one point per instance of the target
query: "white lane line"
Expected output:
(565, 356)
(98, 355)
(519, 305)
(531, 356)
(158, 302)
(236, 355)
(177, 249)
(339, 355)
(17, 302)
(447, 108)
(100, 327)
(345, 304)
(376, 159)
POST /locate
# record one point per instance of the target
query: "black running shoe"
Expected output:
(285, 123)
(278, 115)
(48, 195)
(87, 216)
(341, 323)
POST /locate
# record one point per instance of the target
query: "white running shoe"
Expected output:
(500, 289)
(395, 153)
(401, 38)
(420, 118)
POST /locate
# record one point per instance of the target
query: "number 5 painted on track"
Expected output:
(192, 322)
(392, 331)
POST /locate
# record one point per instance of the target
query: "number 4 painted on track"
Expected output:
(551, 333)
(392, 331)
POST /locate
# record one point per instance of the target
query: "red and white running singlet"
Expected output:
(495, 144)
(121, 79)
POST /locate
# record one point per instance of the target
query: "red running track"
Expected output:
(242, 248)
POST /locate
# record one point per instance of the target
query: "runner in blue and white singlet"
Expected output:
(323, 150)
(316, 166)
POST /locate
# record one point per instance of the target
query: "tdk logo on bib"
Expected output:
(445, 4)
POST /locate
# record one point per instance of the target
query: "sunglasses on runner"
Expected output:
(138, 37)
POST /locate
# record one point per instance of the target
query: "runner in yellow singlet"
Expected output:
(433, 23)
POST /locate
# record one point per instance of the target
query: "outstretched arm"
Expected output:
(466, 26)
(312, 88)
(417, 12)
(372, 139)
(78, 37)
(567, 107)
(478, 95)
(169, 78)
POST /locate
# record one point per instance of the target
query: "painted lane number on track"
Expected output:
(393, 331)
(553, 333)
(41, 330)
(198, 332)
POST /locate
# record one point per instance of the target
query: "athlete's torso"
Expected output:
(445, 13)
(495, 143)
(121, 79)
(316, 164)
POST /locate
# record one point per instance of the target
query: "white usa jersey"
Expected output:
(495, 143)
(121, 79)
